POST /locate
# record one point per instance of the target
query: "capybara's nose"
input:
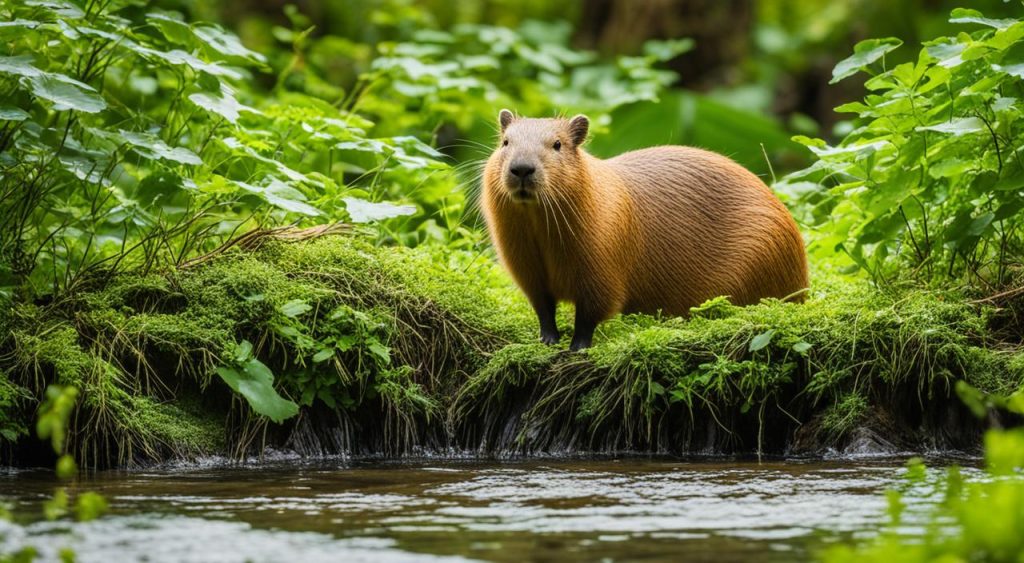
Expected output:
(522, 171)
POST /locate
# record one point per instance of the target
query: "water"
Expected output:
(585, 510)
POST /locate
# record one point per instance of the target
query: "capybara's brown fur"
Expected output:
(664, 228)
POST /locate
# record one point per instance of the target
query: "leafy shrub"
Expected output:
(931, 176)
(130, 139)
(446, 86)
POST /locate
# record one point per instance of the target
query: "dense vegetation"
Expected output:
(210, 245)
(930, 178)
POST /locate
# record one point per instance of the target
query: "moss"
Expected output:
(845, 414)
(12, 399)
(414, 345)
(183, 425)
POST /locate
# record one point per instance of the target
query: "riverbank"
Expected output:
(357, 349)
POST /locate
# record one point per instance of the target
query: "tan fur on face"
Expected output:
(664, 228)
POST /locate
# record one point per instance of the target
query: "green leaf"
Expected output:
(761, 340)
(20, 65)
(8, 113)
(801, 347)
(972, 398)
(255, 382)
(90, 505)
(295, 308)
(178, 57)
(152, 147)
(224, 105)
(864, 53)
(362, 211)
(66, 93)
(62, 8)
(967, 15)
(1016, 70)
(382, 352)
(957, 127)
(226, 43)
(666, 50)
(285, 197)
(322, 355)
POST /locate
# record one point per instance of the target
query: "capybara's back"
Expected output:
(707, 227)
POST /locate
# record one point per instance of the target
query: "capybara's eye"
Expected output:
(558, 145)
(504, 143)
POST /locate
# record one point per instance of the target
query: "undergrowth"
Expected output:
(416, 347)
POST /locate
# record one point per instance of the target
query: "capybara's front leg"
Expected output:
(594, 304)
(544, 306)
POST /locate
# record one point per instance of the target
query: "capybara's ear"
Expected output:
(578, 128)
(505, 117)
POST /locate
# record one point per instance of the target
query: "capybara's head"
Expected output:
(536, 157)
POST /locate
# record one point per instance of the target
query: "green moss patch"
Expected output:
(418, 347)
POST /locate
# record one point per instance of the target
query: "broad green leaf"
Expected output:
(958, 126)
(173, 27)
(1013, 70)
(283, 196)
(322, 355)
(761, 340)
(226, 43)
(284, 169)
(153, 147)
(31, 24)
(66, 93)
(947, 54)
(62, 8)
(8, 113)
(362, 211)
(21, 65)
(967, 15)
(979, 224)
(864, 53)
(224, 105)
(181, 58)
(295, 308)
(950, 168)
(255, 382)
(382, 352)
(801, 347)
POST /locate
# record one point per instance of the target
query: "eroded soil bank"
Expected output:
(359, 349)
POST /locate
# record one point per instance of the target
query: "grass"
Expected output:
(402, 349)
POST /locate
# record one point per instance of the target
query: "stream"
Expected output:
(551, 510)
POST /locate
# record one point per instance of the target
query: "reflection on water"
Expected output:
(557, 511)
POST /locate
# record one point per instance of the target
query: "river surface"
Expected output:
(572, 510)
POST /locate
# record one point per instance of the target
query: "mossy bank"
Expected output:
(350, 348)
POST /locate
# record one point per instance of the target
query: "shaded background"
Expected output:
(772, 57)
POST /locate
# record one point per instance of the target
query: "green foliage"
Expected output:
(12, 398)
(975, 521)
(254, 381)
(930, 178)
(132, 139)
(54, 415)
